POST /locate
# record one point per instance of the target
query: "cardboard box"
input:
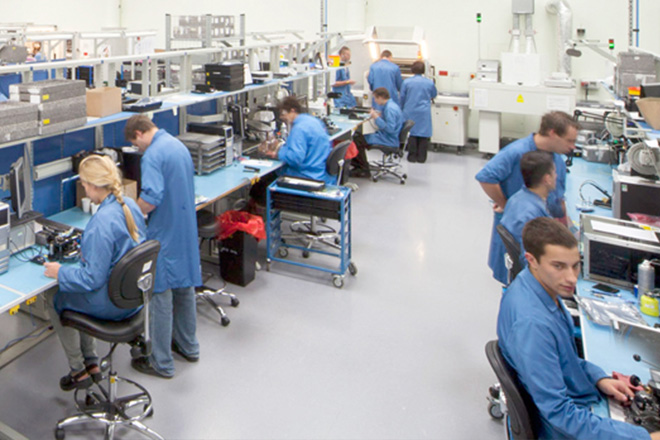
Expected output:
(130, 190)
(103, 101)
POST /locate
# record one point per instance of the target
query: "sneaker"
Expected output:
(75, 381)
(143, 365)
(176, 349)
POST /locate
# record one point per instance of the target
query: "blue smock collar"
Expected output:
(109, 199)
(539, 290)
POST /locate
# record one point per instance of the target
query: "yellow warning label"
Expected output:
(46, 121)
(46, 97)
(520, 99)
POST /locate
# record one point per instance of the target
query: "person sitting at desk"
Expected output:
(500, 178)
(535, 334)
(116, 228)
(540, 177)
(308, 145)
(343, 81)
(389, 123)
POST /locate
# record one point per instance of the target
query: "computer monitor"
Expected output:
(650, 90)
(19, 188)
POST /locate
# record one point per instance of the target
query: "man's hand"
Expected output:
(497, 208)
(616, 389)
(271, 153)
(52, 270)
(373, 114)
(655, 435)
(350, 82)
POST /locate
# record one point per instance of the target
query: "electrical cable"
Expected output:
(584, 203)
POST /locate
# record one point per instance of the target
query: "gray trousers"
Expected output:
(80, 348)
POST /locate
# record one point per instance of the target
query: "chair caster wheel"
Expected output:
(224, 321)
(403, 181)
(305, 254)
(495, 411)
(268, 265)
(338, 281)
(234, 302)
(283, 252)
(374, 179)
(59, 434)
(149, 413)
(405, 176)
(337, 241)
(352, 268)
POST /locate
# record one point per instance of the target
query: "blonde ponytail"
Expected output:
(102, 172)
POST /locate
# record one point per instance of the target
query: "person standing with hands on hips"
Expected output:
(343, 81)
(167, 196)
(116, 228)
(416, 95)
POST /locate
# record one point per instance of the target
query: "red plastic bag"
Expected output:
(232, 221)
(645, 218)
(351, 152)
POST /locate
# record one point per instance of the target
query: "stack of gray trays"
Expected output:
(61, 103)
(18, 120)
(209, 152)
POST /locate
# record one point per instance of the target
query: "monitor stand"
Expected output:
(27, 217)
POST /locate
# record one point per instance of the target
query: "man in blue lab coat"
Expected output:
(343, 81)
(540, 177)
(416, 95)
(535, 334)
(389, 123)
(167, 196)
(500, 178)
(384, 73)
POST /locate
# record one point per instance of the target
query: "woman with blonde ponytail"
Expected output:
(116, 228)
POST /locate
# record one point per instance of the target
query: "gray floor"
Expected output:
(397, 354)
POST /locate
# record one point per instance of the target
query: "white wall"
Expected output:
(68, 15)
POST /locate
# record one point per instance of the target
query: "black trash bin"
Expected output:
(238, 258)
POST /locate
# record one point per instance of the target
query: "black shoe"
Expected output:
(72, 382)
(176, 349)
(96, 377)
(361, 174)
(143, 365)
(412, 159)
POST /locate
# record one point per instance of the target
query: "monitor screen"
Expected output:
(20, 201)
(4, 215)
(650, 90)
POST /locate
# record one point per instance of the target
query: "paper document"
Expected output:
(625, 231)
(257, 162)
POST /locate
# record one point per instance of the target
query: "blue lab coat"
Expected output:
(347, 100)
(306, 150)
(522, 207)
(84, 286)
(536, 338)
(384, 73)
(167, 183)
(389, 125)
(416, 95)
(504, 169)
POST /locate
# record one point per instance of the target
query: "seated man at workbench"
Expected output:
(535, 334)
(540, 177)
(389, 122)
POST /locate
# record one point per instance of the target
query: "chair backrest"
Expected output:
(522, 412)
(513, 249)
(334, 164)
(404, 134)
(133, 276)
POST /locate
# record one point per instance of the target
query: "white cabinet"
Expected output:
(449, 118)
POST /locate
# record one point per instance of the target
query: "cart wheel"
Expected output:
(59, 434)
(235, 302)
(283, 252)
(225, 321)
(495, 411)
(352, 268)
(305, 254)
(338, 281)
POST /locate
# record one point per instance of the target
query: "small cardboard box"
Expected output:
(129, 186)
(103, 101)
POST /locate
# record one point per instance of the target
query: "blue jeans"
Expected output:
(173, 318)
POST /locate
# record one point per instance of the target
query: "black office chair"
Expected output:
(312, 231)
(130, 285)
(522, 417)
(207, 232)
(513, 251)
(390, 163)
